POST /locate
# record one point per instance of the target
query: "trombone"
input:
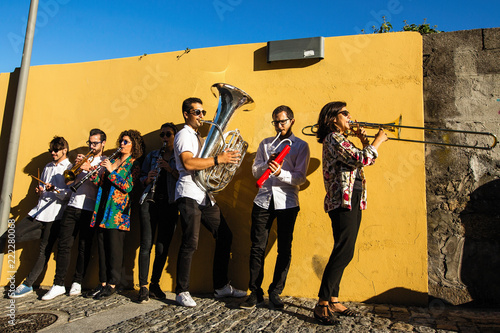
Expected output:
(395, 128)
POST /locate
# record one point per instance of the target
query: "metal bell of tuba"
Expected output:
(215, 178)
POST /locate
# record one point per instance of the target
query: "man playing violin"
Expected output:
(76, 220)
(278, 198)
(43, 220)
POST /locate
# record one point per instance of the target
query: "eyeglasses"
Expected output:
(54, 150)
(197, 112)
(167, 134)
(282, 122)
(125, 142)
(90, 143)
(345, 113)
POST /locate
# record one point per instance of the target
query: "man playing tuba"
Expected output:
(197, 206)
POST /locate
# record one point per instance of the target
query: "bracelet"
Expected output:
(216, 161)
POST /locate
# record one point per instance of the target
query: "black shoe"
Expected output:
(155, 291)
(276, 300)
(143, 296)
(252, 300)
(105, 292)
(93, 292)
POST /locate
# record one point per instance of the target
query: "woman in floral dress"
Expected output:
(112, 209)
(345, 199)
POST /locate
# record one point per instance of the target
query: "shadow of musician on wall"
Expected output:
(481, 252)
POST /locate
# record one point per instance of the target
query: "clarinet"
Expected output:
(149, 191)
(90, 174)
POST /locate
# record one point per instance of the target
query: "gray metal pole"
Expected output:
(17, 119)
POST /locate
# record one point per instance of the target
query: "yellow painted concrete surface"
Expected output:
(380, 78)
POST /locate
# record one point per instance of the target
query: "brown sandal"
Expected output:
(347, 312)
(325, 320)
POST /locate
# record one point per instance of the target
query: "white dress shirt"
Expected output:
(285, 187)
(84, 197)
(188, 140)
(51, 205)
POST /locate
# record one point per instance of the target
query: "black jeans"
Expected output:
(345, 225)
(74, 221)
(110, 246)
(192, 215)
(262, 221)
(163, 215)
(48, 236)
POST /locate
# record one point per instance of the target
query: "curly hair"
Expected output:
(326, 117)
(137, 142)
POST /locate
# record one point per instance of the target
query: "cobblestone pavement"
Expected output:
(224, 315)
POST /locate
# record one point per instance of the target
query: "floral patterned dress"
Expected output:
(342, 161)
(114, 188)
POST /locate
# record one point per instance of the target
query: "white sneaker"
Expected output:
(185, 299)
(54, 292)
(76, 289)
(229, 291)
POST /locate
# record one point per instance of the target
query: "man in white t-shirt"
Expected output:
(76, 220)
(197, 206)
(43, 220)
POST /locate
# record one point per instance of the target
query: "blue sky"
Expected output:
(70, 31)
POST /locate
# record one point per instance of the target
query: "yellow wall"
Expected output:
(379, 76)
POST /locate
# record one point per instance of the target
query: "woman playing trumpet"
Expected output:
(345, 199)
(112, 209)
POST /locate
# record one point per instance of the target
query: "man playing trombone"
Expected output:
(76, 220)
(278, 198)
(43, 221)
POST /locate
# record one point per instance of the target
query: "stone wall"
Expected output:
(462, 91)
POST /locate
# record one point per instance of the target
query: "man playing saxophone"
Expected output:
(198, 206)
(76, 220)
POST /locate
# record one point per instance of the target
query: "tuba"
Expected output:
(215, 178)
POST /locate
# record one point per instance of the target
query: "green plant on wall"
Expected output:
(423, 28)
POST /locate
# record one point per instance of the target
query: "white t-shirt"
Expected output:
(188, 140)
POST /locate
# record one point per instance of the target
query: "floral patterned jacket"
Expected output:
(341, 161)
(117, 208)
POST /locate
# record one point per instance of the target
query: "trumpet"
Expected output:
(75, 187)
(70, 175)
(395, 128)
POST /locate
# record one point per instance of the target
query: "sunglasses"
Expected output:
(282, 122)
(197, 112)
(90, 143)
(54, 150)
(125, 142)
(345, 113)
(167, 134)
